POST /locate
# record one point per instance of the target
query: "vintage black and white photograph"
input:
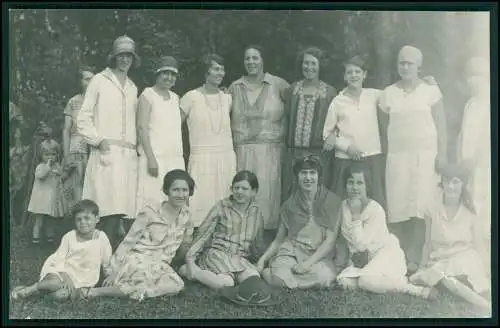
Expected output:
(170, 163)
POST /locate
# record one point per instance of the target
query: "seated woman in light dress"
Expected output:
(301, 255)
(140, 267)
(377, 262)
(450, 256)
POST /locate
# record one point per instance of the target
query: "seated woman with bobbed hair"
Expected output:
(301, 254)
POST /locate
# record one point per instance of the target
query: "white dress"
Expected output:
(412, 150)
(81, 260)
(370, 233)
(109, 112)
(212, 161)
(452, 250)
(166, 142)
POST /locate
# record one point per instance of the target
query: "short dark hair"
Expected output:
(360, 61)
(247, 176)
(257, 47)
(209, 58)
(307, 162)
(85, 205)
(357, 168)
(173, 175)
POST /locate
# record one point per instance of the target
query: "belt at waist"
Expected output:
(121, 143)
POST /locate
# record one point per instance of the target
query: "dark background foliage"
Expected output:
(48, 46)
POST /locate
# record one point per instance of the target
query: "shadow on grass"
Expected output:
(198, 302)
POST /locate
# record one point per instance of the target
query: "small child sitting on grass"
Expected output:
(78, 260)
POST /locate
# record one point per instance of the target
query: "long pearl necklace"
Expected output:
(212, 110)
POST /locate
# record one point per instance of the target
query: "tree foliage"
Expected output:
(47, 47)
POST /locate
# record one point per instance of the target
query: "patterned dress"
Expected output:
(227, 238)
(258, 127)
(452, 251)
(77, 156)
(306, 228)
(141, 264)
(80, 260)
(305, 118)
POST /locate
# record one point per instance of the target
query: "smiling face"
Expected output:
(253, 62)
(124, 61)
(178, 193)
(242, 192)
(354, 76)
(215, 74)
(308, 179)
(310, 67)
(356, 186)
(166, 79)
(452, 187)
(85, 222)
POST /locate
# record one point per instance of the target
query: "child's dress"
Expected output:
(452, 250)
(370, 233)
(46, 196)
(80, 260)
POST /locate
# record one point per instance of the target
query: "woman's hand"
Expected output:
(152, 167)
(301, 267)
(104, 145)
(261, 264)
(329, 142)
(354, 152)
(191, 269)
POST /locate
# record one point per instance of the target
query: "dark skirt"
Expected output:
(289, 180)
(374, 166)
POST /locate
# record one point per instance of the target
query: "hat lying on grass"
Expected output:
(253, 291)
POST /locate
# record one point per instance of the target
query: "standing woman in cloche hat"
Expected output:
(107, 122)
(159, 132)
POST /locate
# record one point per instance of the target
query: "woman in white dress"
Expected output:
(474, 147)
(159, 133)
(377, 262)
(416, 142)
(107, 122)
(212, 161)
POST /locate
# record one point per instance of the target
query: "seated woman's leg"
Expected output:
(111, 291)
(209, 278)
(382, 284)
(279, 272)
(348, 283)
(460, 289)
(321, 274)
(249, 272)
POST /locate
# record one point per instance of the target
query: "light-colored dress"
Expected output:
(109, 112)
(141, 264)
(166, 142)
(356, 123)
(258, 126)
(306, 230)
(77, 157)
(305, 117)
(80, 260)
(474, 143)
(412, 150)
(452, 251)
(370, 233)
(212, 161)
(46, 195)
(226, 239)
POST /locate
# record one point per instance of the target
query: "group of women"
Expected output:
(291, 182)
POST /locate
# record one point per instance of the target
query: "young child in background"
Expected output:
(453, 239)
(46, 197)
(78, 260)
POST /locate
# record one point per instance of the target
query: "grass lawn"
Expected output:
(198, 302)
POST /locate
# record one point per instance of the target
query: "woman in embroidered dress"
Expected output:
(377, 262)
(301, 255)
(75, 149)
(212, 161)
(258, 126)
(453, 238)
(107, 122)
(416, 138)
(351, 129)
(474, 147)
(306, 107)
(140, 267)
(159, 133)
(228, 239)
